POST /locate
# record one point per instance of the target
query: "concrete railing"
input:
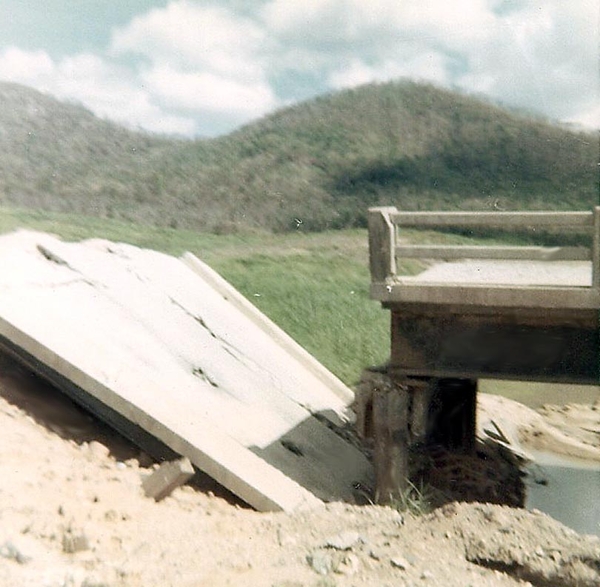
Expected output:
(384, 248)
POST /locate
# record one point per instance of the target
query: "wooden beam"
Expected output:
(167, 478)
(453, 424)
(406, 291)
(495, 252)
(496, 219)
(391, 442)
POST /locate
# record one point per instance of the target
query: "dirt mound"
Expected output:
(73, 514)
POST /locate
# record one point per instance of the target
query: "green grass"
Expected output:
(415, 500)
(315, 286)
(321, 299)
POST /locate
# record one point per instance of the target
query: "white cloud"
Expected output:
(589, 118)
(543, 57)
(107, 90)
(23, 67)
(376, 22)
(200, 67)
(207, 91)
(205, 60)
(196, 37)
(425, 66)
(527, 54)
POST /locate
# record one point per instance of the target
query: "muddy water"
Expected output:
(571, 489)
(566, 489)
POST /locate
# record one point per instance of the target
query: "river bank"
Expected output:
(73, 514)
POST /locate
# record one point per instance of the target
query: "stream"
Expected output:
(566, 489)
(570, 488)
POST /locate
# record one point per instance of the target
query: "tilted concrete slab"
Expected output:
(165, 349)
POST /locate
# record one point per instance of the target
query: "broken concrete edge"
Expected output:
(234, 466)
(224, 288)
(169, 476)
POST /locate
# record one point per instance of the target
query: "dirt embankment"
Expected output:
(73, 514)
(571, 430)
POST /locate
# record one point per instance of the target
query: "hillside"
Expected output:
(61, 157)
(315, 165)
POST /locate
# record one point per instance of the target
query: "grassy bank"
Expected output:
(315, 286)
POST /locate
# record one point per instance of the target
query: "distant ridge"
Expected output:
(316, 165)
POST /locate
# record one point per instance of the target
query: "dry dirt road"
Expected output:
(73, 514)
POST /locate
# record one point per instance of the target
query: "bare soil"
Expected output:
(73, 514)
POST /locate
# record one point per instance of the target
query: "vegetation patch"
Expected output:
(316, 166)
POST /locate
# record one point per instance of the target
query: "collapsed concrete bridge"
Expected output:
(173, 357)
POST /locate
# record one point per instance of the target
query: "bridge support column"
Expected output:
(402, 415)
(452, 414)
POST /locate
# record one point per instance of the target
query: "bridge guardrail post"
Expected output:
(596, 250)
(382, 244)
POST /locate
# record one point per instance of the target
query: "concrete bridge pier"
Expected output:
(401, 415)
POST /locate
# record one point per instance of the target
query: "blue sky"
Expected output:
(204, 67)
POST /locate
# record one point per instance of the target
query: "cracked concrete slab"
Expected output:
(166, 346)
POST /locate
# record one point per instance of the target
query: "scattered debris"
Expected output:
(321, 562)
(9, 551)
(344, 540)
(167, 477)
(74, 541)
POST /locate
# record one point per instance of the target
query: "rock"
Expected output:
(285, 539)
(9, 551)
(98, 450)
(400, 563)
(376, 554)
(111, 516)
(321, 562)
(344, 540)
(74, 541)
(169, 475)
(349, 565)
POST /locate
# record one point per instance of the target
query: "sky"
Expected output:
(201, 68)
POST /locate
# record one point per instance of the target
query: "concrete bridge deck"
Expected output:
(505, 312)
(565, 278)
(575, 274)
(499, 312)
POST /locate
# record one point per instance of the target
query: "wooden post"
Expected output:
(421, 392)
(596, 250)
(382, 244)
(390, 428)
